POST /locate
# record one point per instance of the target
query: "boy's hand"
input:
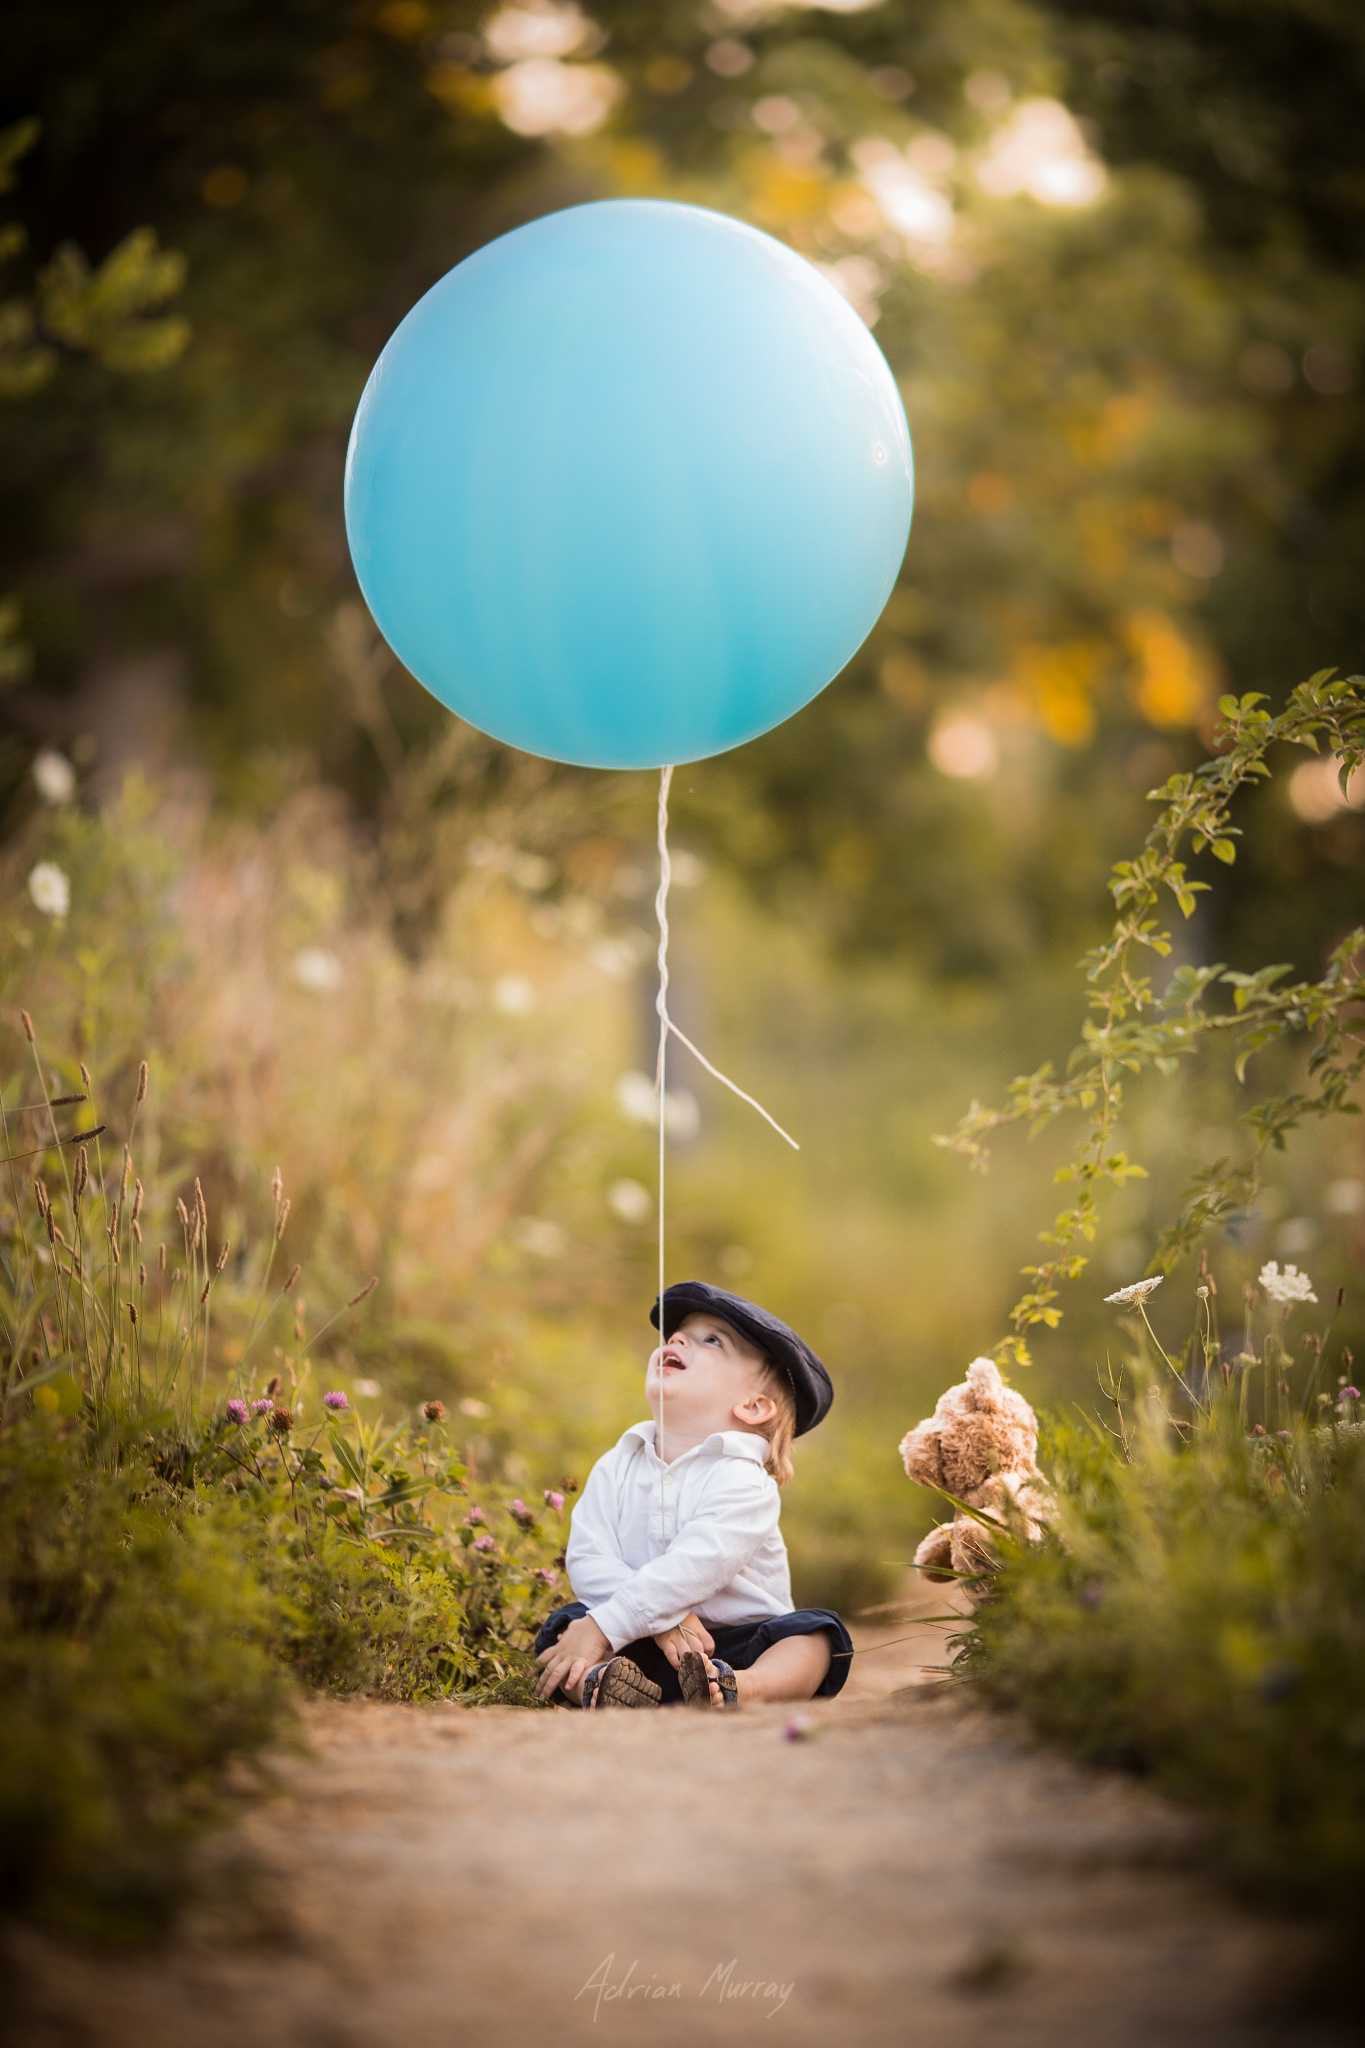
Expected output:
(690, 1634)
(567, 1662)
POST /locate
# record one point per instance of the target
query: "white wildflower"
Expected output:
(629, 1200)
(317, 969)
(1139, 1289)
(1286, 1287)
(55, 777)
(50, 889)
(535, 1234)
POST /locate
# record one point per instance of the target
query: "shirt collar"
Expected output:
(722, 1443)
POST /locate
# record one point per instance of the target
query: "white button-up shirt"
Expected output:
(650, 1542)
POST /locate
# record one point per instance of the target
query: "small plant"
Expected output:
(1136, 1029)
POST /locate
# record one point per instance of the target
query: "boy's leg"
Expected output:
(792, 1669)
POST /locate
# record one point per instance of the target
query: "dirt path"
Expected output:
(911, 1872)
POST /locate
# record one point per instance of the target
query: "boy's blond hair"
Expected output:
(780, 1431)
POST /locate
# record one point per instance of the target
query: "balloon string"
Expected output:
(660, 1075)
(668, 1028)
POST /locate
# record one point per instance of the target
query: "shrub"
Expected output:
(135, 1667)
(1198, 1614)
(1197, 1611)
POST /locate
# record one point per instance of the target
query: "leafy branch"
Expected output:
(1132, 1028)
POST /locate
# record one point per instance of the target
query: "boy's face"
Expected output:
(709, 1377)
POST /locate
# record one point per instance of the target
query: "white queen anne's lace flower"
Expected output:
(1136, 1292)
(50, 888)
(1291, 1285)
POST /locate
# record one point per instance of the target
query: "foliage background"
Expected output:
(412, 969)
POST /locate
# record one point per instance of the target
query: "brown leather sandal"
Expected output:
(619, 1682)
(695, 1681)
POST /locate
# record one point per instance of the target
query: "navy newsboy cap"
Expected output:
(810, 1383)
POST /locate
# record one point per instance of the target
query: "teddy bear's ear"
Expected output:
(920, 1453)
(983, 1377)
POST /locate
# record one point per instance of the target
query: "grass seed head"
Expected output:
(137, 1200)
(80, 1179)
(27, 1023)
(222, 1258)
(294, 1272)
(365, 1291)
(141, 1095)
(284, 1218)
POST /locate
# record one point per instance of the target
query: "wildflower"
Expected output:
(554, 1500)
(263, 1406)
(281, 1421)
(475, 1516)
(522, 1515)
(318, 970)
(1286, 1287)
(799, 1728)
(485, 1543)
(50, 889)
(55, 777)
(1138, 1290)
(1350, 1393)
(569, 1485)
(433, 1411)
(237, 1412)
(337, 1400)
(547, 1576)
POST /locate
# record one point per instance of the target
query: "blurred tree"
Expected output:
(1112, 252)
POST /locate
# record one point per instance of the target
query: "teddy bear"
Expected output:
(980, 1445)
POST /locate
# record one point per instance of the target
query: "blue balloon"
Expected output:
(628, 486)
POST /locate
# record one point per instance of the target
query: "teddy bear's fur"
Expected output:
(980, 1445)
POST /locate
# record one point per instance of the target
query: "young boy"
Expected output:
(675, 1550)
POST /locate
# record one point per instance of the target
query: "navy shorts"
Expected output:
(740, 1643)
